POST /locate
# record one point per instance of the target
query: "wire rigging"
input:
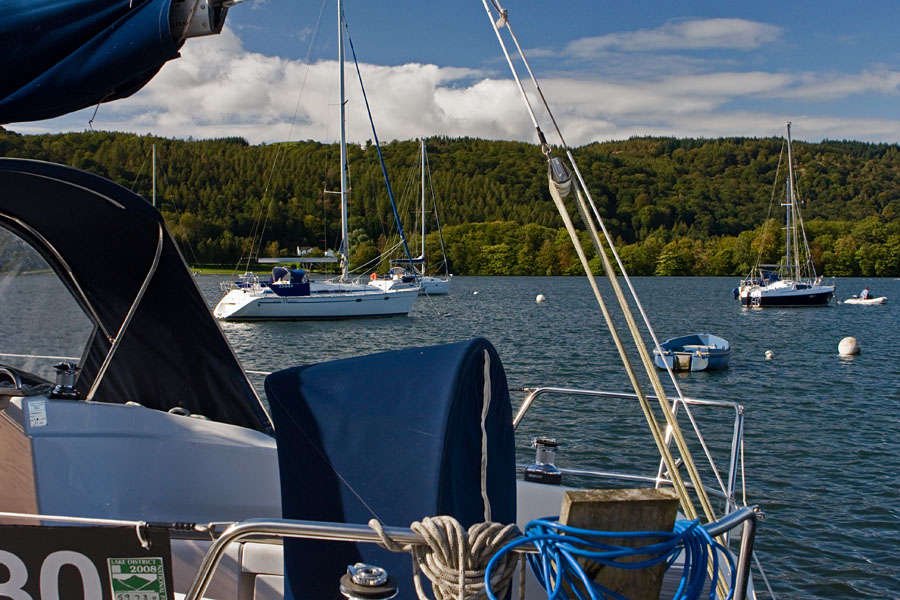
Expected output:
(561, 182)
(387, 180)
(257, 233)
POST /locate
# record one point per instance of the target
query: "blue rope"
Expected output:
(559, 547)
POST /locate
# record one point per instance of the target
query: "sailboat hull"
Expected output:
(434, 286)
(243, 305)
(786, 296)
(428, 286)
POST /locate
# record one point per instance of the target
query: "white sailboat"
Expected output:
(289, 294)
(400, 277)
(793, 283)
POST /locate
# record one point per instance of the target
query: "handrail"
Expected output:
(748, 517)
(348, 532)
(535, 392)
(727, 487)
(288, 528)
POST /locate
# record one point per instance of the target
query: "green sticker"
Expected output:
(137, 578)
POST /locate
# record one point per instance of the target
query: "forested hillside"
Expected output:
(676, 207)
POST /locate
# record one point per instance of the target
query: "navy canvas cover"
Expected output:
(395, 436)
(173, 352)
(63, 55)
(289, 282)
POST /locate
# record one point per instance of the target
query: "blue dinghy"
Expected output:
(694, 352)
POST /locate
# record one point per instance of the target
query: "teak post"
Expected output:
(645, 509)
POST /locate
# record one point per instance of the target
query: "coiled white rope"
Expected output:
(455, 560)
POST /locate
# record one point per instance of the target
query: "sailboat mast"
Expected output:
(787, 227)
(154, 176)
(423, 207)
(791, 198)
(345, 244)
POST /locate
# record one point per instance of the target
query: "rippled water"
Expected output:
(821, 430)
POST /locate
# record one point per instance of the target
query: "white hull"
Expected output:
(428, 286)
(786, 293)
(167, 468)
(433, 286)
(336, 302)
(879, 300)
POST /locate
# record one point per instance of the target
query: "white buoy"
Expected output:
(540, 298)
(769, 355)
(848, 346)
(475, 293)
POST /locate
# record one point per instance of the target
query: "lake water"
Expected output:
(821, 432)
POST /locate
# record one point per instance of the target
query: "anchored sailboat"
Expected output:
(794, 282)
(401, 277)
(290, 295)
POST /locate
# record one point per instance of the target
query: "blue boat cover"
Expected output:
(297, 284)
(395, 436)
(63, 55)
(171, 353)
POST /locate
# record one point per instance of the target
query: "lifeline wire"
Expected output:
(259, 230)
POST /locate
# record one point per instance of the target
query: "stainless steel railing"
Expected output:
(726, 487)
(281, 528)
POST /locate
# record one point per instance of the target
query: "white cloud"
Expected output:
(736, 34)
(219, 89)
(815, 86)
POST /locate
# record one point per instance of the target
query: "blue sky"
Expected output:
(609, 70)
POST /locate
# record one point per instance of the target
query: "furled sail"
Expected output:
(63, 55)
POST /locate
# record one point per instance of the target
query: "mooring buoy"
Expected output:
(848, 346)
(540, 298)
(769, 355)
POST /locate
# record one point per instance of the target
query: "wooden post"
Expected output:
(644, 509)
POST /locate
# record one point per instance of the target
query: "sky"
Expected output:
(609, 71)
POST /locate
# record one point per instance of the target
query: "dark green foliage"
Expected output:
(675, 207)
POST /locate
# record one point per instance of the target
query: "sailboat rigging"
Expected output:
(794, 282)
(289, 294)
(405, 273)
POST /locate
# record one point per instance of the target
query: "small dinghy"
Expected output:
(858, 300)
(694, 352)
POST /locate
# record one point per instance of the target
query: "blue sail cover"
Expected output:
(63, 55)
(395, 436)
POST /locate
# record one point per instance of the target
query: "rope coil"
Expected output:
(556, 566)
(456, 561)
